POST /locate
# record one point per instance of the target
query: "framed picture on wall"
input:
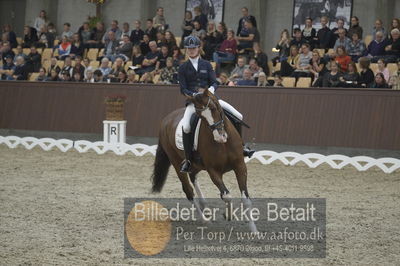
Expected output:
(214, 9)
(315, 9)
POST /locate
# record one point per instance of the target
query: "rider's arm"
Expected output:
(182, 82)
(212, 79)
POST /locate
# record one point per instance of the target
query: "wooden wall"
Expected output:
(363, 118)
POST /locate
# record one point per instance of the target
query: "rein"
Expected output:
(217, 125)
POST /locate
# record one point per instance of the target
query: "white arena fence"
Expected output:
(312, 160)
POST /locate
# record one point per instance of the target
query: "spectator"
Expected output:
(162, 59)
(78, 68)
(187, 26)
(159, 20)
(366, 74)
(394, 25)
(324, 35)
(150, 61)
(289, 66)
(104, 68)
(6, 51)
(222, 33)
(224, 79)
(137, 34)
(200, 17)
(115, 29)
(252, 37)
(210, 40)
(77, 77)
(52, 29)
(67, 32)
(309, 33)
(254, 68)
(177, 56)
(376, 48)
(298, 39)
(318, 65)
(122, 76)
(126, 30)
(332, 78)
(242, 30)
(150, 30)
(89, 76)
(198, 31)
(342, 40)
(88, 68)
(394, 81)
(85, 34)
(380, 82)
(342, 58)
(382, 68)
(355, 28)
(132, 77)
(12, 37)
(116, 69)
(124, 50)
(283, 46)
(168, 75)
(30, 36)
(40, 21)
(170, 40)
(67, 67)
(97, 36)
(54, 75)
(34, 60)
(64, 48)
(46, 39)
(262, 80)
(110, 46)
(98, 75)
(247, 79)
(53, 66)
(393, 47)
(335, 31)
(260, 57)
(378, 27)
(356, 47)
(278, 81)
(161, 41)
(226, 52)
(137, 57)
(42, 75)
(237, 72)
(147, 78)
(21, 70)
(8, 68)
(20, 52)
(303, 64)
(351, 78)
(77, 47)
(144, 45)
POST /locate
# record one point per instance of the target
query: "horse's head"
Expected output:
(207, 107)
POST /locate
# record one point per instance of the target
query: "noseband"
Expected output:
(217, 125)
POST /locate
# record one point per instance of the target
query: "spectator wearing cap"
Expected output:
(67, 31)
(8, 68)
(242, 30)
(137, 34)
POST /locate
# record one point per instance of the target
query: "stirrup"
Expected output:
(248, 152)
(186, 167)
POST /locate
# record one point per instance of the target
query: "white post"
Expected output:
(114, 131)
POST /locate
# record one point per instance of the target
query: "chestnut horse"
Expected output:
(220, 150)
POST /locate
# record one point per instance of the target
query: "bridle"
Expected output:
(219, 125)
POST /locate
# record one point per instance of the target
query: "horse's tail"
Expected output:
(161, 167)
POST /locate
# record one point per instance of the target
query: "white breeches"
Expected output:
(190, 110)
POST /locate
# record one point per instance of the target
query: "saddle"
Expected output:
(195, 122)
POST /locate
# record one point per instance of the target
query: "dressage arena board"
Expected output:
(67, 208)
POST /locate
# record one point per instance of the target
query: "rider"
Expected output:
(193, 74)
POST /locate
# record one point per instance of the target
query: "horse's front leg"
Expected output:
(216, 177)
(241, 176)
(199, 193)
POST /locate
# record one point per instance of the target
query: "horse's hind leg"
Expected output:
(216, 177)
(241, 176)
(199, 193)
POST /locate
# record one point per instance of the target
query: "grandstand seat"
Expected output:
(101, 52)
(94, 64)
(156, 79)
(331, 51)
(26, 51)
(92, 54)
(40, 50)
(368, 39)
(46, 64)
(278, 66)
(178, 40)
(60, 63)
(127, 65)
(33, 76)
(321, 52)
(303, 82)
(288, 81)
(19, 40)
(374, 67)
(56, 42)
(214, 65)
(392, 68)
(15, 50)
(47, 54)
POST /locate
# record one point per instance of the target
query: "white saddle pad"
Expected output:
(178, 135)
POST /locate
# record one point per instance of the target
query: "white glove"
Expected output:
(211, 89)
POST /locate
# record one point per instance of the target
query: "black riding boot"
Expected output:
(247, 152)
(188, 147)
